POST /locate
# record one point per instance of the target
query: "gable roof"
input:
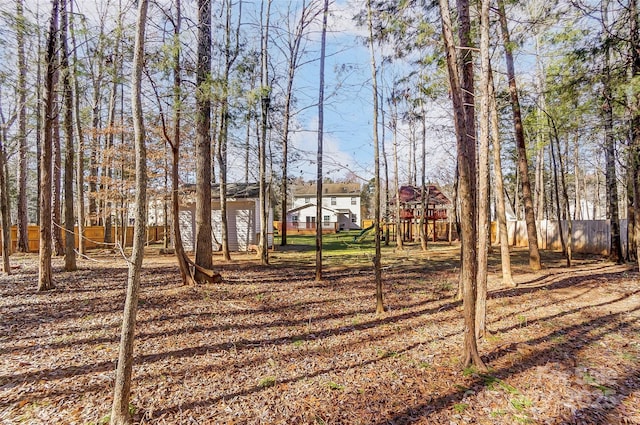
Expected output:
(305, 206)
(328, 189)
(234, 190)
(411, 195)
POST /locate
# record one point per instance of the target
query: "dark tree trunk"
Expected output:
(45, 280)
(204, 242)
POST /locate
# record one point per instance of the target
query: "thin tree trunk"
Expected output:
(377, 260)
(120, 413)
(22, 243)
(69, 219)
(319, 220)
(466, 185)
(557, 196)
(5, 220)
(424, 192)
(80, 137)
(45, 280)
(56, 194)
(615, 253)
(505, 257)
(483, 173)
(265, 103)
(396, 180)
(532, 233)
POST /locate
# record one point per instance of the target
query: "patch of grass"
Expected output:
(460, 407)
(522, 320)
(297, 342)
(498, 413)
(266, 382)
(335, 386)
(592, 381)
(424, 365)
(523, 419)
(521, 403)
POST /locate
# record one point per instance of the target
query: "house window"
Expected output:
(294, 218)
(333, 200)
(354, 218)
(307, 200)
(326, 218)
(353, 200)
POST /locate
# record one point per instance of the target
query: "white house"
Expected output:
(243, 217)
(340, 207)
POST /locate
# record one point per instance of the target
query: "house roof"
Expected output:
(411, 195)
(329, 189)
(305, 206)
(234, 190)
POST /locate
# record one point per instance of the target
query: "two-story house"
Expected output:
(340, 207)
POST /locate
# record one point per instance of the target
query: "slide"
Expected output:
(362, 234)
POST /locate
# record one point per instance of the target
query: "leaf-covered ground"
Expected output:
(272, 346)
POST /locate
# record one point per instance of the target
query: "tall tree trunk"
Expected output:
(396, 180)
(466, 183)
(80, 137)
(120, 413)
(505, 257)
(22, 243)
(69, 219)
(231, 53)
(183, 261)
(529, 215)
(56, 187)
(634, 46)
(109, 151)
(615, 253)
(557, 195)
(319, 220)
(424, 192)
(5, 220)
(204, 242)
(377, 260)
(265, 103)
(45, 279)
(483, 173)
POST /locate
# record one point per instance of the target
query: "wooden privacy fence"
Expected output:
(93, 236)
(588, 236)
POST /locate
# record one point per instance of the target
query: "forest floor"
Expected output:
(272, 346)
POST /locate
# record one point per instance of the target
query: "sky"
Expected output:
(348, 112)
(348, 127)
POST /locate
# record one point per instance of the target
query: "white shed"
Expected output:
(243, 216)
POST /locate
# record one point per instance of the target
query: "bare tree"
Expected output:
(22, 244)
(231, 50)
(505, 257)
(308, 13)
(80, 137)
(120, 414)
(377, 260)
(45, 280)
(265, 102)
(319, 221)
(5, 220)
(483, 172)
(69, 219)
